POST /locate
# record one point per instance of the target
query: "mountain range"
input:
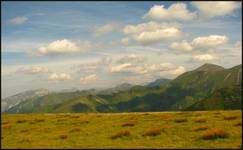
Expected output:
(205, 88)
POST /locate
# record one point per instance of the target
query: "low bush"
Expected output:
(179, 120)
(6, 126)
(121, 134)
(230, 117)
(21, 121)
(25, 130)
(39, 120)
(199, 120)
(75, 130)
(74, 116)
(200, 128)
(152, 132)
(63, 136)
(4, 122)
(214, 134)
(238, 124)
(128, 124)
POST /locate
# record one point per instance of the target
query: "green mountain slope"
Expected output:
(186, 89)
(191, 90)
(224, 98)
(81, 104)
(44, 103)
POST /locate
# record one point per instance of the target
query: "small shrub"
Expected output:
(39, 120)
(121, 134)
(132, 118)
(198, 114)
(181, 113)
(98, 116)
(214, 134)
(6, 126)
(152, 132)
(146, 114)
(84, 121)
(4, 122)
(238, 124)
(199, 120)
(60, 120)
(21, 121)
(63, 136)
(230, 117)
(199, 128)
(179, 120)
(75, 130)
(217, 113)
(32, 122)
(128, 124)
(25, 130)
(25, 141)
(74, 116)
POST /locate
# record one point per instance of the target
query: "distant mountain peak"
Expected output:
(210, 67)
(124, 85)
(158, 82)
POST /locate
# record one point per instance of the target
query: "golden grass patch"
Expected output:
(214, 134)
(152, 131)
(199, 128)
(120, 134)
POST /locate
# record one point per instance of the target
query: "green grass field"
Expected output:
(209, 129)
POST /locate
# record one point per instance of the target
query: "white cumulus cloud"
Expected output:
(33, 70)
(209, 41)
(181, 46)
(18, 20)
(176, 11)
(149, 26)
(59, 76)
(200, 43)
(120, 67)
(132, 58)
(89, 78)
(203, 57)
(63, 47)
(151, 37)
(212, 9)
(128, 68)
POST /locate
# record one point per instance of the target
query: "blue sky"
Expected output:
(82, 45)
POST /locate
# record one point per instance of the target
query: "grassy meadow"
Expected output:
(198, 129)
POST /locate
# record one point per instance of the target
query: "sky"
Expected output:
(83, 45)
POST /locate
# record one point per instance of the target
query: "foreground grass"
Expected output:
(208, 129)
